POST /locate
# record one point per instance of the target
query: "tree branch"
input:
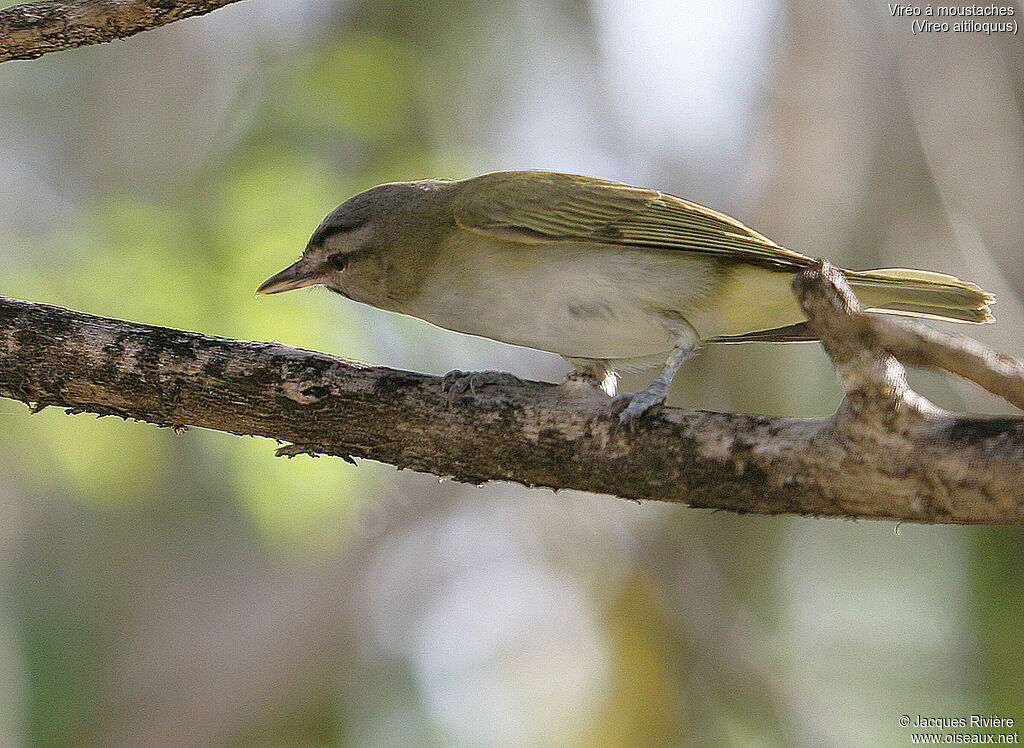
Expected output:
(886, 453)
(33, 29)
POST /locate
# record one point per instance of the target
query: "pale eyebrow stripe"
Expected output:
(323, 233)
(355, 235)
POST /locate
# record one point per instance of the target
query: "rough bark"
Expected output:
(30, 30)
(887, 452)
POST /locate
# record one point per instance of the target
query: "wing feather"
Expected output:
(537, 206)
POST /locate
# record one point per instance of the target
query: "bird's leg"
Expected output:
(457, 383)
(656, 392)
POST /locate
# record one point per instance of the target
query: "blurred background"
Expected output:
(162, 589)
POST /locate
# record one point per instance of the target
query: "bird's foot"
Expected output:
(457, 383)
(587, 378)
(640, 402)
(584, 379)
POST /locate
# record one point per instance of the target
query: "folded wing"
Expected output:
(534, 207)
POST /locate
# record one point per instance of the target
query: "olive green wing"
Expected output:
(536, 206)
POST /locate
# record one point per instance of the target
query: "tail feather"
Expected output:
(921, 293)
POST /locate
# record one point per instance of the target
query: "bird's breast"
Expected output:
(576, 299)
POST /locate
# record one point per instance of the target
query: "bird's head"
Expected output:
(364, 248)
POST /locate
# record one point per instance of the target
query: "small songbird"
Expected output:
(609, 276)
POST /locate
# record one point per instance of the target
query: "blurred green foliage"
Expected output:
(193, 260)
(337, 118)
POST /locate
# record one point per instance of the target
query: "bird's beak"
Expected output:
(293, 276)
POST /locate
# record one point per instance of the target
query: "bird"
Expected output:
(610, 276)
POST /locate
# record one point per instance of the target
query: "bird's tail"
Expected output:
(920, 293)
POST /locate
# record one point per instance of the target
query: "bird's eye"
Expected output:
(337, 261)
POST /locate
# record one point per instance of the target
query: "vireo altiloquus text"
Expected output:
(610, 276)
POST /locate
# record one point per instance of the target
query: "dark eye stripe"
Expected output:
(338, 261)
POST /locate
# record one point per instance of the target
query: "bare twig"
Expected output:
(886, 453)
(30, 30)
(875, 383)
(916, 344)
(848, 333)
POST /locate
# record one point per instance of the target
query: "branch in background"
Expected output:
(33, 29)
(886, 453)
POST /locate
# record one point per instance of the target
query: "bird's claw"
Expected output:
(586, 381)
(457, 383)
(636, 405)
